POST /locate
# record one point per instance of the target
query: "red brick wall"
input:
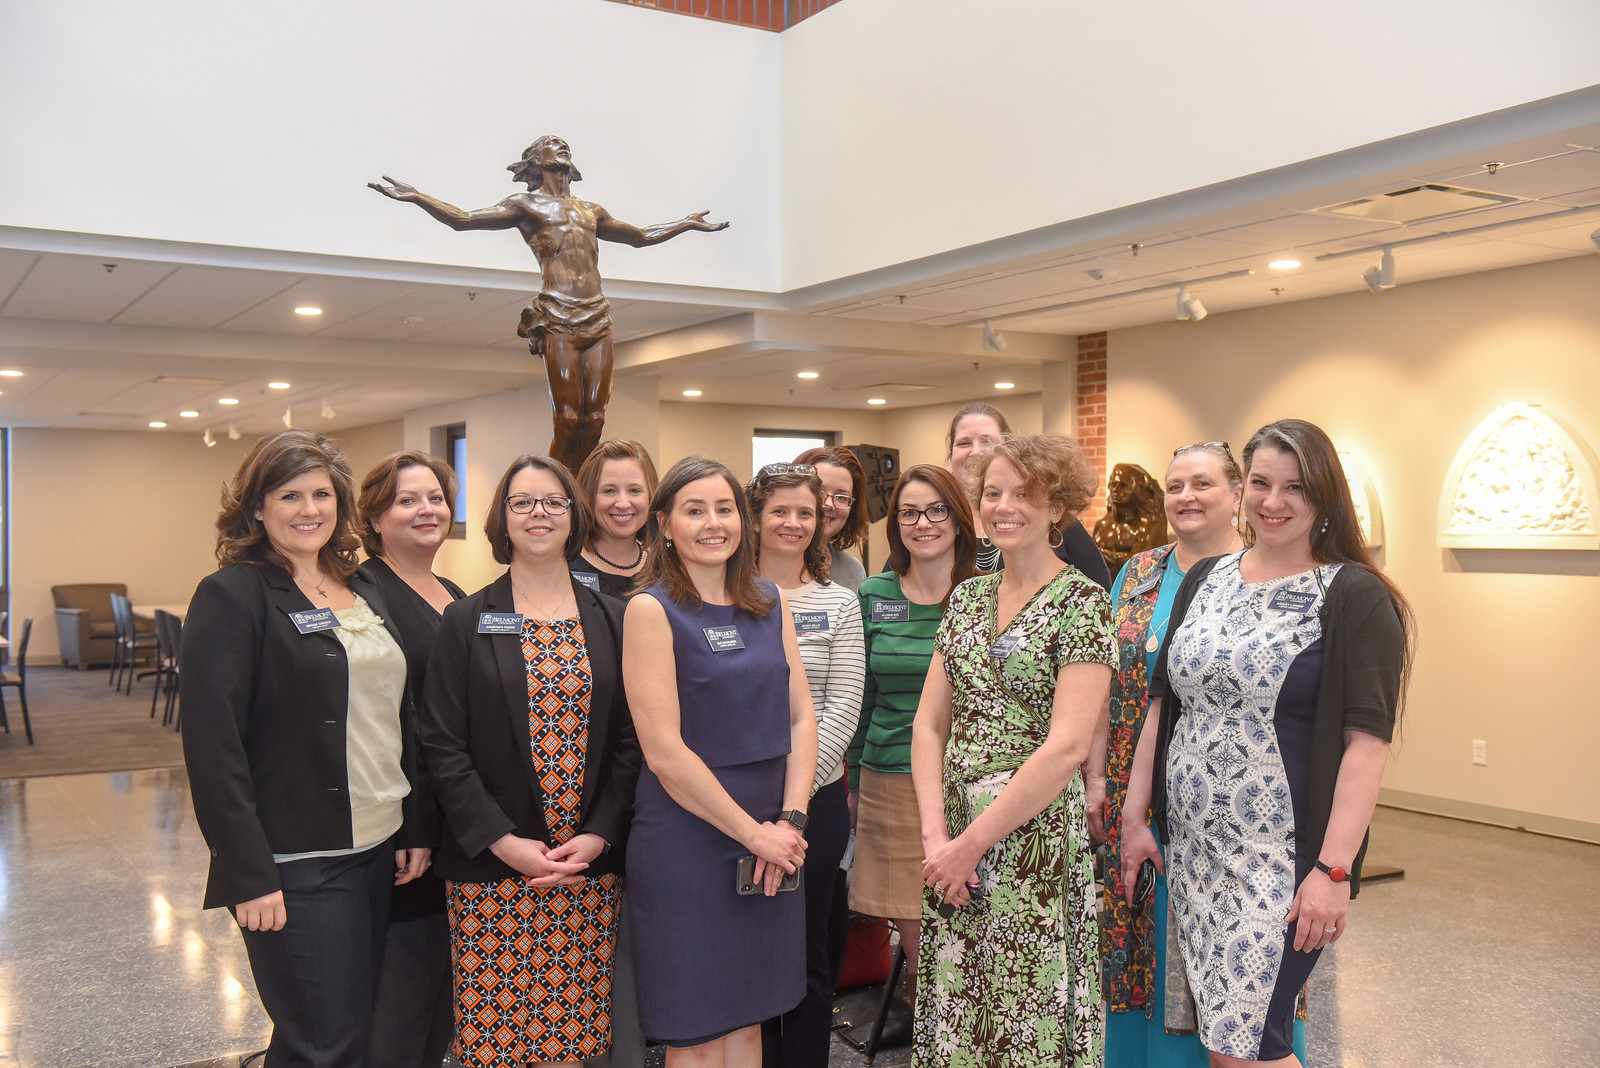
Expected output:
(1091, 428)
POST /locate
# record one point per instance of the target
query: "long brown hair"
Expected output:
(949, 490)
(1336, 534)
(614, 449)
(662, 566)
(818, 561)
(854, 530)
(275, 460)
(382, 486)
(497, 528)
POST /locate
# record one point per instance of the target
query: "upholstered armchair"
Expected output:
(84, 625)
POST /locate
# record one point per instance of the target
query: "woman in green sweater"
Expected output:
(933, 547)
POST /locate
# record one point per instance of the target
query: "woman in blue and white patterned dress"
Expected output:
(1278, 693)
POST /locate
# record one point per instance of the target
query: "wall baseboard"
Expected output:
(1538, 823)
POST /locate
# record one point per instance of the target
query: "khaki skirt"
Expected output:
(886, 879)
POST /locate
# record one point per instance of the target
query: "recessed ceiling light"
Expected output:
(190, 415)
(1005, 385)
(876, 400)
(157, 425)
(10, 374)
(691, 393)
(807, 374)
(1287, 262)
(277, 385)
(308, 310)
(227, 400)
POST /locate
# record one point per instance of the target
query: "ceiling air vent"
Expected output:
(190, 380)
(1417, 203)
(894, 387)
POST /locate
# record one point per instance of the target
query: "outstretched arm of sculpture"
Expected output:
(628, 234)
(503, 216)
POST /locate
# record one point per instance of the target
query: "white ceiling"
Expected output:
(95, 343)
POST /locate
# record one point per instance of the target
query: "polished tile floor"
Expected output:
(1486, 954)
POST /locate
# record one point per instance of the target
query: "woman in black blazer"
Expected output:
(300, 748)
(532, 753)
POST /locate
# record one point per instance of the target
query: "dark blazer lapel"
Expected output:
(602, 654)
(513, 672)
(285, 598)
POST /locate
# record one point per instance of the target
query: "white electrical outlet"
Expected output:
(1480, 752)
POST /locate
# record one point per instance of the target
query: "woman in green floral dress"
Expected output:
(1014, 704)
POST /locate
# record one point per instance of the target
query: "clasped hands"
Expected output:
(780, 850)
(562, 865)
(950, 866)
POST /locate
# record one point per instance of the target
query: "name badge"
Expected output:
(891, 611)
(315, 619)
(810, 622)
(499, 622)
(1292, 601)
(723, 639)
(1151, 581)
(589, 579)
(1005, 645)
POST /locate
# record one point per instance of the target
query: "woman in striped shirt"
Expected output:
(933, 547)
(792, 551)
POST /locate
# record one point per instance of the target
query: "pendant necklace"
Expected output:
(623, 567)
(536, 605)
(316, 585)
(1156, 630)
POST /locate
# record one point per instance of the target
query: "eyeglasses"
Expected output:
(838, 500)
(907, 516)
(772, 470)
(522, 504)
(1223, 445)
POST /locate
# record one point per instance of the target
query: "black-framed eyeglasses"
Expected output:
(1223, 445)
(522, 504)
(907, 516)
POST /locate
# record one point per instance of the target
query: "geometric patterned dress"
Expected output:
(1245, 665)
(533, 963)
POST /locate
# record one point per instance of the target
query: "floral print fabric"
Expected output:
(1010, 979)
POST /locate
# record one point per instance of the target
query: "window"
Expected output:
(451, 443)
(782, 446)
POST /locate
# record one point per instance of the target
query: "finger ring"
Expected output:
(938, 889)
(1330, 930)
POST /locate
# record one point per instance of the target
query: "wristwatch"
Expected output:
(1335, 873)
(796, 817)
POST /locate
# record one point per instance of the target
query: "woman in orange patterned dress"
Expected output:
(532, 750)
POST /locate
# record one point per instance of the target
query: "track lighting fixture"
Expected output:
(1380, 277)
(1595, 237)
(288, 416)
(1189, 306)
(993, 339)
(208, 439)
(233, 433)
(327, 409)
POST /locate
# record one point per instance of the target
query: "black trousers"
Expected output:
(414, 1018)
(800, 1037)
(318, 976)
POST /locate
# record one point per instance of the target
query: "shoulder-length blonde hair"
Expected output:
(949, 490)
(275, 460)
(662, 566)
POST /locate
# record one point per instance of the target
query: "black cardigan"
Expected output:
(264, 711)
(1363, 653)
(474, 729)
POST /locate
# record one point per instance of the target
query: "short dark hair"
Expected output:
(382, 485)
(818, 560)
(273, 461)
(662, 566)
(498, 528)
(949, 491)
(854, 530)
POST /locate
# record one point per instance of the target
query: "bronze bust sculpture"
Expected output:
(568, 322)
(1135, 519)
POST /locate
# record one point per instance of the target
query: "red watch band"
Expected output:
(1334, 873)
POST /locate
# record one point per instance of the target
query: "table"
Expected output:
(148, 611)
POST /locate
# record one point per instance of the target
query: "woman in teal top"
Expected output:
(932, 548)
(1144, 1028)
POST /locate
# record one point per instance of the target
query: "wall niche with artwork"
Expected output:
(1523, 479)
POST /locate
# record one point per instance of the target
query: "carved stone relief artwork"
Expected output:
(1524, 479)
(1369, 512)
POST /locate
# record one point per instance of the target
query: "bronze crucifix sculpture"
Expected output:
(568, 322)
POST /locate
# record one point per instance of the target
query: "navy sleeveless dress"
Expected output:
(708, 961)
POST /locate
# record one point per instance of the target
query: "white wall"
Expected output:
(911, 127)
(260, 126)
(1400, 380)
